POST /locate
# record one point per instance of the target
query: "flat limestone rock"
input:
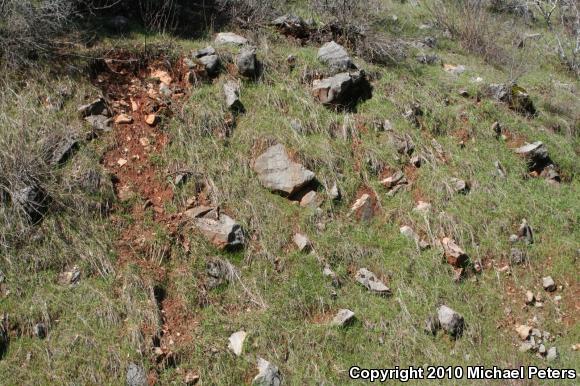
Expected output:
(237, 342)
(230, 38)
(343, 318)
(371, 282)
(277, 172)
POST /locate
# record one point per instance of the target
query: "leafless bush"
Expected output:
(249, 12)
(31, 29)
(469, 22)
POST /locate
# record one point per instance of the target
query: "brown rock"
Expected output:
(454, 255)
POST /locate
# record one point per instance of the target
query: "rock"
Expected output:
(230, 38)
(548, 284)
(450, 321)
(517, 256)
(403, 144)
(207, 51)
(310, 200)
(525, 232)
(398, 178)
(291, 25)
(232, 93)
(535, 151)
(247, 63)
(454, 255)
(151, 119)
(334, 192)
(237, 342)
(211, 64)
(408, 232)
(363, 207)
(268, 374)
(542, 349)
(123, 119)
(422, 207)
(371, 282)
(220, 229)
(136, 375)
(302, 242)
(328, 272)
(40, 330)
(33, 201)
(432, 325)
(119, 23)
(530, 298)
(220, 271)
(277, 172)
(335, 56)
(523, 331)
(552, 354)
(100, 123)
(97, 107)
(122, 162)
(343, 318)
(515, 96)
(343, 89)
(70, 277)
(526, 346)
(59, 150)
(427, 59)
(459, 186)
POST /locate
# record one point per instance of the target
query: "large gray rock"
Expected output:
(535, 152)
(268, 374)
(97, 107)
(369, 280)
(342, 89)
(230, 38)
(277, 172)
(207, 51)
(33, 201)
(136, 375)
(220, 229)
(211, 64)
(246, 62)
(232, 94)
(335, 56)
(450, 321)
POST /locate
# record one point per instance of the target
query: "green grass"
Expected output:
(282, 296)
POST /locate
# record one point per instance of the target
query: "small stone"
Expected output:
(309, 200)
(454, 255)
(232, 94)
(207, 51)
(70, 277)
(335, 56)
(557, 298)
(513, 239)
(121, 162)
(549, 284)
(302, 242)
(371, 282)
(343, 318)
(40, 330)
(136, 375)
(268, 374)
(237, 342)
(191, 378)
(552, 354)
(123, 119)
(459, 185)
(526, 346)
(144, 141)
(334, 193)
(525, 232)
(151, 119)
(530, 298)
(246, 62)
(450, 321)
(523, 331)
(517, 256)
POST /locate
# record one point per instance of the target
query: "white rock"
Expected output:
(268, 374)
(343, 318)
(237, 342)
(230, 38)
(450, 321)
(371, 282)
(301, 241)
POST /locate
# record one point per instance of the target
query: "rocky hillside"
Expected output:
(305, 189)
